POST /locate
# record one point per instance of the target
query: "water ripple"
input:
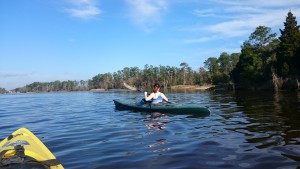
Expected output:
(83, 129)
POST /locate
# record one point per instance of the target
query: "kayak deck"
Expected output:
(23, 147)
(172, 108)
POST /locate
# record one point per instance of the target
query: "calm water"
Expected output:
(83, 129)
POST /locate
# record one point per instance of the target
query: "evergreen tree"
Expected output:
(224, 61)
(253, 67)
(2, 90)
(288, 51)
(212, 64)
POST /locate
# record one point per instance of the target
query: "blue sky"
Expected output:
(77, 39)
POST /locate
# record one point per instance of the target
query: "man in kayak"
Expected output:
(156, 96)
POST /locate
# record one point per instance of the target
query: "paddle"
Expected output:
(171, 102)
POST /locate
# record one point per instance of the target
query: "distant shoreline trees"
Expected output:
(144, 78)
(264, 59)
(54, 86)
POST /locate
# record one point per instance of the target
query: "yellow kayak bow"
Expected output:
(22, 146)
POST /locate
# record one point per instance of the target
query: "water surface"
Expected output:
(83, 129)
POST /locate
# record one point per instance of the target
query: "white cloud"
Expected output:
(83, 9)
(242, 9)
(147, 13)
(246, 23)
(240, 18)
(205, 12)
(259, 3)
(201, 39)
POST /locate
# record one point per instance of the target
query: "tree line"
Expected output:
(144, 78)
(263, 56)
(265, 61)
(167, 76)
(70, 85)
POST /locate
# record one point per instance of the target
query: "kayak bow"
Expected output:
(23, 147)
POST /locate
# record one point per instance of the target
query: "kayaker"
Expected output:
(156, 96)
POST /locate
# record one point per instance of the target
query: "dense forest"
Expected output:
(266, 61)
(270, 62)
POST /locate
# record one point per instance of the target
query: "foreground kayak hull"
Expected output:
(25, 146)
(163, 108)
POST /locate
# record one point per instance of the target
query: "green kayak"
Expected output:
(169, 107)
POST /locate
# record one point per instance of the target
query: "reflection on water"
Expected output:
(156, 122)
(83, 129)
(269, 123)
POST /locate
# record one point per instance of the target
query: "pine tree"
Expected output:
(253, 66)
(288, 50)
